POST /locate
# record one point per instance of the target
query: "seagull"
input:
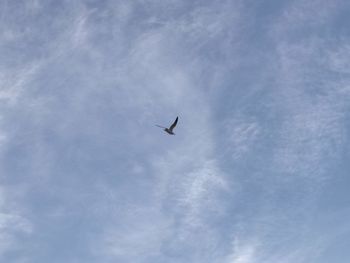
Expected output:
(170, 129)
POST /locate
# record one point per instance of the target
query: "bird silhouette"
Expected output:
(171, 128)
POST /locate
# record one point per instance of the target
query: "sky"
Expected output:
(258, 171)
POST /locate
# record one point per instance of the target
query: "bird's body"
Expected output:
(171, 128)
(169, 131)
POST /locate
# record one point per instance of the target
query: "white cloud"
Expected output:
(137, 238)
(309, 108)
(301, 16)
(110, 74)
(312, 129)
(187, 184)
(242, 251)
(11, 223)
(337, 59)
(13, 82)
(241, 134)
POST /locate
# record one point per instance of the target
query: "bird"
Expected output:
(171, 128)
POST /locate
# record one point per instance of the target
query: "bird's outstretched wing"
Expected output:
(174, 124)
(160, 126)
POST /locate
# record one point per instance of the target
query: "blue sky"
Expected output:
(258, 171)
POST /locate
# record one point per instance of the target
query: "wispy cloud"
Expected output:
(305, 142)
(12, 223)
(261, 92)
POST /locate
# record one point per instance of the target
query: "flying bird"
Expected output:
(171, 128)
